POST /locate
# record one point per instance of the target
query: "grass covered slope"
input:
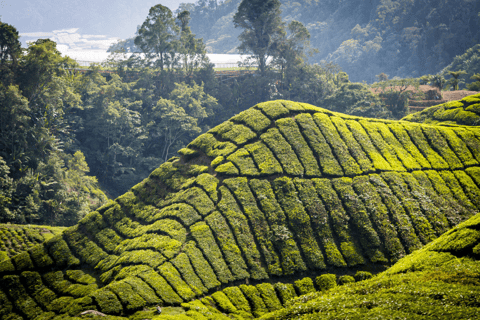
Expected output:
(439, 281)
(280, 191)
(463, 112)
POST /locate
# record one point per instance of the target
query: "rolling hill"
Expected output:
(283, 192)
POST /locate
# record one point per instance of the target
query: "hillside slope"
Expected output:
(463, 112)
(280, 191)
(439, 281)
(404, 38)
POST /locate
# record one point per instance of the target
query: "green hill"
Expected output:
(279, 192)
(463, 112)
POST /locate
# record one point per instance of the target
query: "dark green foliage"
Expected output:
(285, 291)
(228, 245)
(345, 279)
(251, 293)
(143, 289)
(326, 281)
(362, 275)
(369, 238)
(320, 221)
(405, 229)
(107, 301)
(239, 187)
(422, 226)
(282, 237)
(21, 300)
(299, 222)
(348, 247)
(128, 296)
(379, 215)
(267, 292)
(22, 261)
(304, 286)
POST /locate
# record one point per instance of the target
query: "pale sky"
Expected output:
(111, 18)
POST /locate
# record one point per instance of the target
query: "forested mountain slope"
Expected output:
(405, 38)
(281, 191)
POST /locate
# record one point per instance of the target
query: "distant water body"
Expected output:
(86, 57)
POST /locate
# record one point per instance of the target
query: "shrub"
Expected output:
(345, 279)
(326, 281)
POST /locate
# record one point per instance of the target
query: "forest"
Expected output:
(281, 189)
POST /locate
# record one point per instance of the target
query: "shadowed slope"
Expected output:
(280, 191)
(439, 281)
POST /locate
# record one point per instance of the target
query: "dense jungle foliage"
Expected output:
(403, 38)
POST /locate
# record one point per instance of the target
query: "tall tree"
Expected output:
(455, 75)
(10, 51)
(263, 29)
(292, 51)
(192, 50)
(158, 35)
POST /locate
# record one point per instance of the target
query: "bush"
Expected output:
(326, 281)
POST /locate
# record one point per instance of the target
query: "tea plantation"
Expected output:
(285, 208)
(463, 112)
(15, 239)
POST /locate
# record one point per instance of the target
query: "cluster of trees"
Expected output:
(39, 181)
(404, 38)
(464, 71)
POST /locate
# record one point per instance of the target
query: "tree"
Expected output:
(382, 77)
(263, 29)
(191, 49)
(455, 75)
(474, 86)
(291, 51)
(172, 124)
(10, 51)
(158, 35)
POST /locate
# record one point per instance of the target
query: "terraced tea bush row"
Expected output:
(440, 281)
(15, 239)
(463, 112)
